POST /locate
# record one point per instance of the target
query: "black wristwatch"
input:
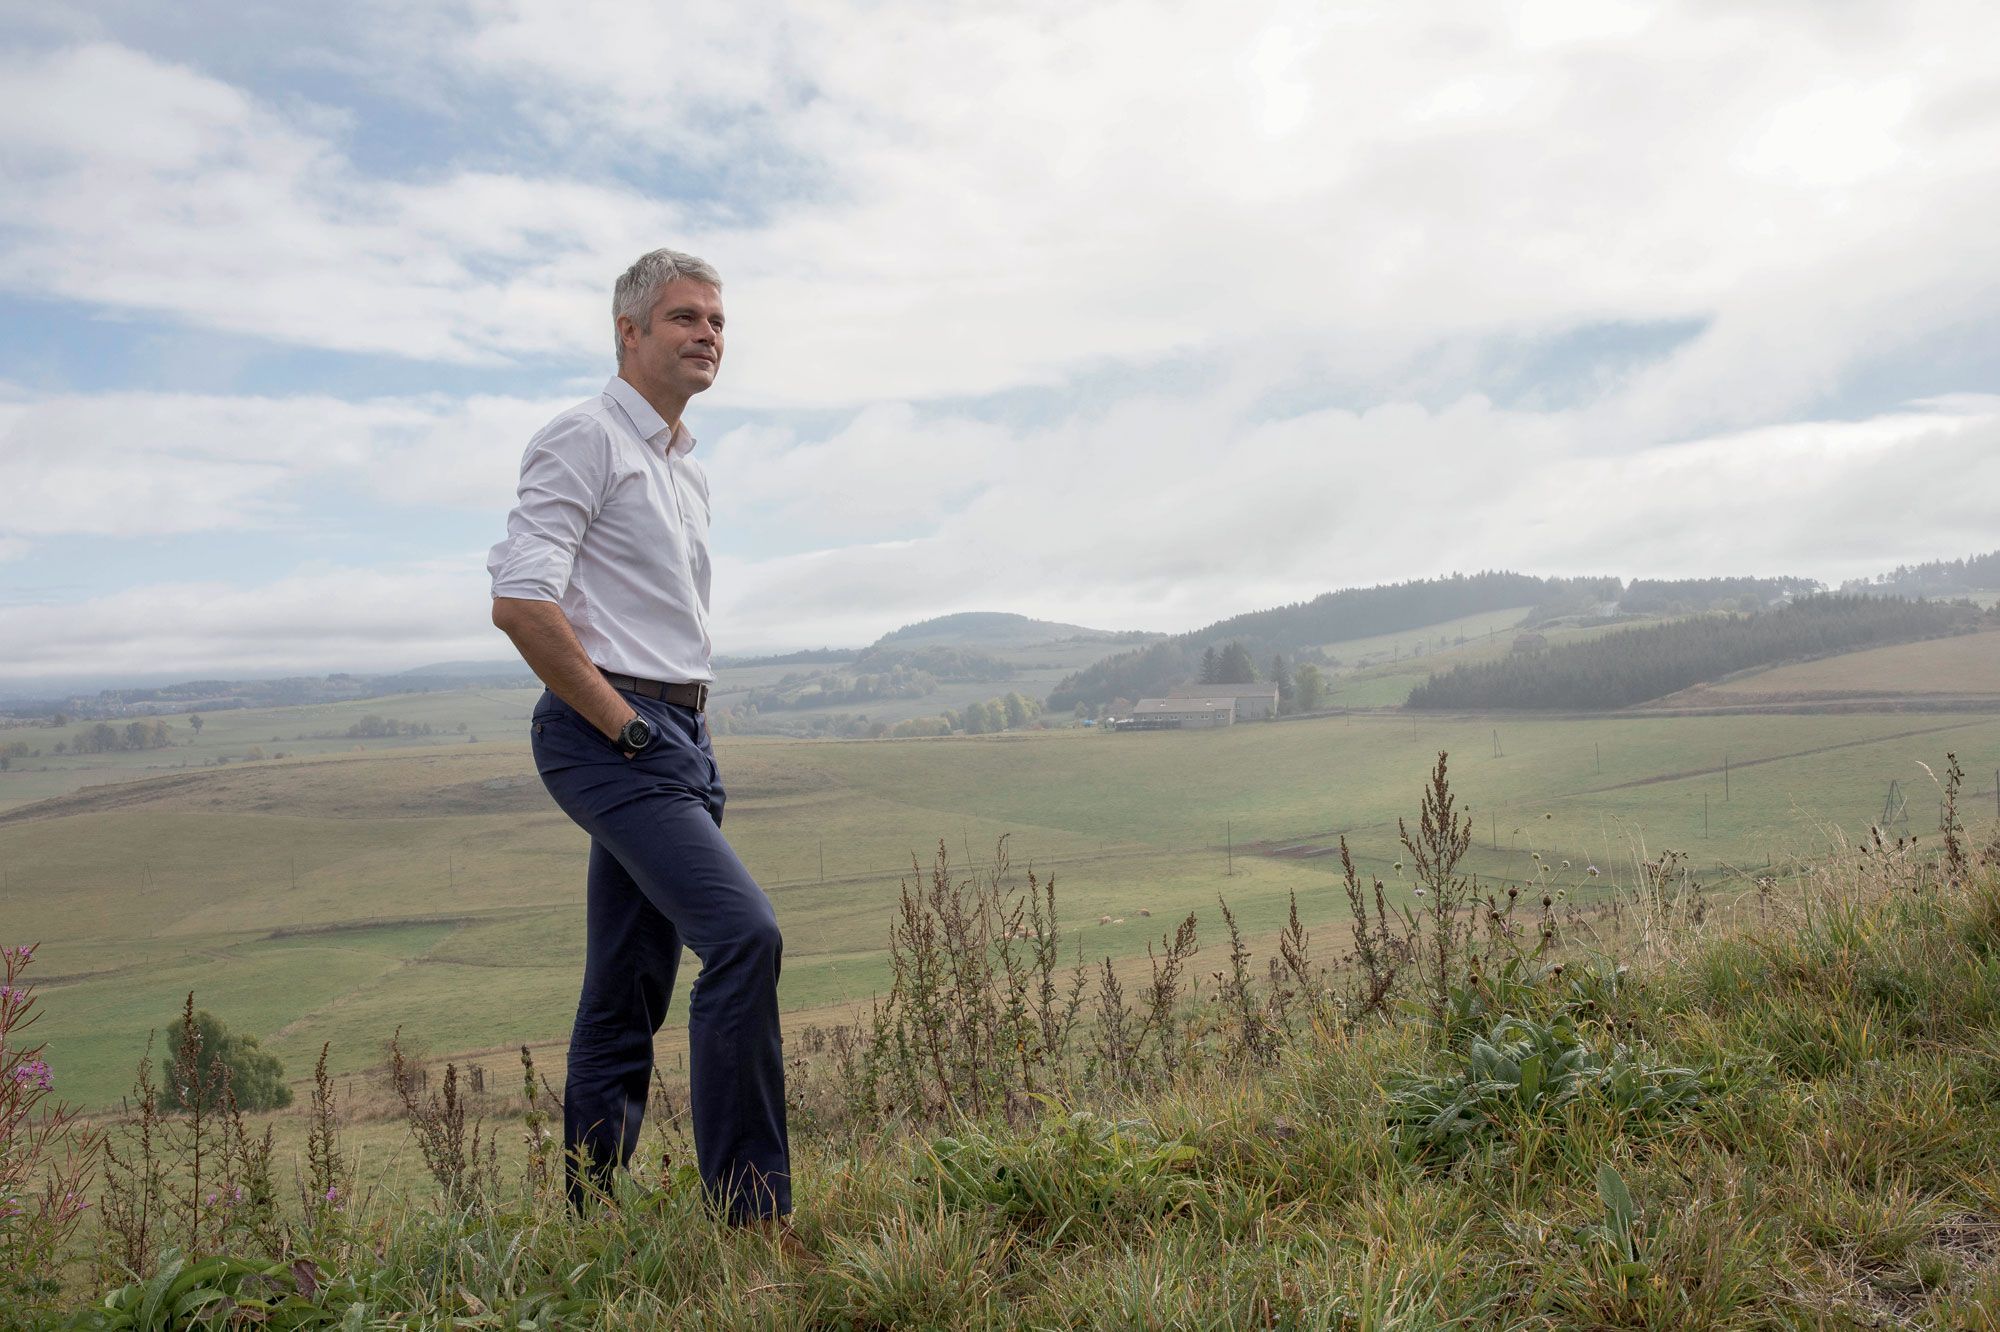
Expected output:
(635, 735)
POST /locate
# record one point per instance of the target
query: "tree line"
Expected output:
(1303, 627)
(1635, 665)
(805, 691)
(104, 738)
(1689, 596)
(944, 661)
(1937, 578)
(1007, 713)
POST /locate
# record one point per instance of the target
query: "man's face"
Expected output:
(679, 351)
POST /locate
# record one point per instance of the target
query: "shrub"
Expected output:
(255, 1077)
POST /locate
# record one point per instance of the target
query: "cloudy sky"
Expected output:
(1130, 314)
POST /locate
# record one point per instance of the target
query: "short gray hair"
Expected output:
(638, 289)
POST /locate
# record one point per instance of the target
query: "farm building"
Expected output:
(1530, 642)
(1252, 700)
(1180, 714)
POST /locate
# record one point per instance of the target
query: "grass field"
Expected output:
(1779, 1118)
(337, 896)
(1967, 665)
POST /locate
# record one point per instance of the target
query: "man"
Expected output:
(602, 583)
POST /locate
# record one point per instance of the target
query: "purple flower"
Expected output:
(33, 1071)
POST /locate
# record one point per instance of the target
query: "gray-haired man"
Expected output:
(602, 583)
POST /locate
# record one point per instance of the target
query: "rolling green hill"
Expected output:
(396, 882)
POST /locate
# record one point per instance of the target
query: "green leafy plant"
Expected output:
(1077, 1166)
(1613, 1243)
(215, 1292)
(1526, 1071)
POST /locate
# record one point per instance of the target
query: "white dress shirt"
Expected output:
(612, 525)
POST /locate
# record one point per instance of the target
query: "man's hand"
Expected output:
(549, 646)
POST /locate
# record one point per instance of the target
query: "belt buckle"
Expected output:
(701, 696)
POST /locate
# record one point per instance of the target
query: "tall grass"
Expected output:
(1489, 1111)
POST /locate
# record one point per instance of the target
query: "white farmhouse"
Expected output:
(1180, 714)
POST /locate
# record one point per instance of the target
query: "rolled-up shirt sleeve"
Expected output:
(561, 491)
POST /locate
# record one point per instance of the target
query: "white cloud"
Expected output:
(916, 204)
(164, 464)
(150, 189)
(1194, 518)
(923, 201)
(355, 618)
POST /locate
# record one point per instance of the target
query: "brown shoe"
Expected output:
(778, 1229)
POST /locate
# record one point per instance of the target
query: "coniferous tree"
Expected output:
(1635, 665)
(1211, 666)
(1283, 679)
(1235, 666)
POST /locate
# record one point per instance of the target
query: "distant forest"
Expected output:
(1636, 665)
(1939, 578)
(1689, 596)
(1358, 612)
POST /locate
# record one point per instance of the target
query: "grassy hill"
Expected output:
(1639, 665)
(989, 628)
(1962, 669)
(1682, 1112)
(386, 882)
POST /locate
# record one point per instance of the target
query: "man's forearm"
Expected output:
(547, 643)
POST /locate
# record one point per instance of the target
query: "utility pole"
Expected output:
(1725, 779)
(1704, 814)
(822, 860)
(1496, 745)
(1598, 750)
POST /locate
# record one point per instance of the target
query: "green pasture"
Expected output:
(1498, 626)
(335, 898)
(238, 735)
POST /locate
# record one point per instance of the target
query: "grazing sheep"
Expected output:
(1104, 920)
(1146, 912)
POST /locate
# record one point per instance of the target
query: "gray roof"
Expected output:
(1225, 691)
(1148, 706)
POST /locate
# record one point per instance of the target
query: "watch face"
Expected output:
(637, 734)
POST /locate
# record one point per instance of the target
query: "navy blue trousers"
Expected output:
(661, 875)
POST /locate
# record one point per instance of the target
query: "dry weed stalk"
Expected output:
(466, 1168)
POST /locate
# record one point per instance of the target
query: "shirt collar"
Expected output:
(649, 423)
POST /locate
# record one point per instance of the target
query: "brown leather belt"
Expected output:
(691, 695)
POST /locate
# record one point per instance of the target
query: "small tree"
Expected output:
(1283, 679)
(194, 720)
(1308, 688)
(255, 1075)
(1016, 707)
